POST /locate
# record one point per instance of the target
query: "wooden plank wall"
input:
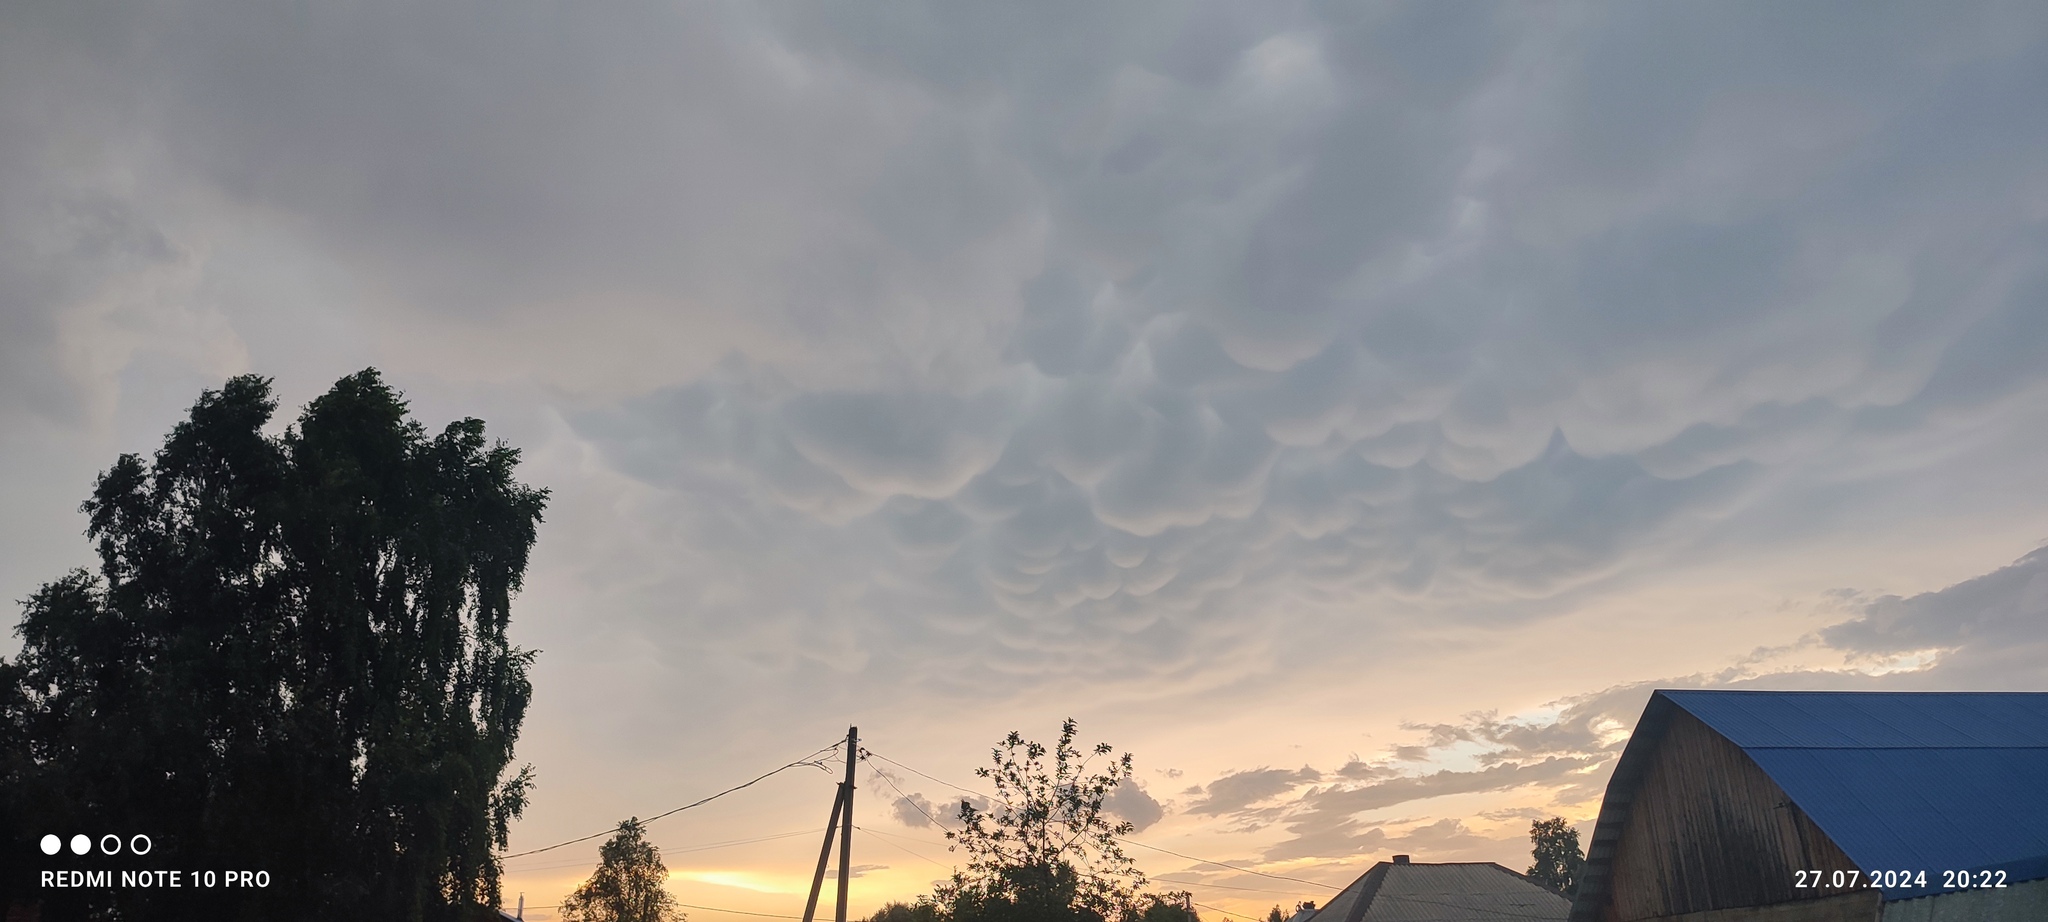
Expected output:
(1709, 830)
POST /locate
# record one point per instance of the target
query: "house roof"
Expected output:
(1933, 781)
(1453, 892)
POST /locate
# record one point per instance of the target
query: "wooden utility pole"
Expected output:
(846, 821)
(841, 822)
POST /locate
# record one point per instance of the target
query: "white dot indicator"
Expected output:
(80, 844)
(51, 844)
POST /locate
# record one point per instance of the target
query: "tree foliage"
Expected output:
(1558, 861)
(293, 658)
(1046, 850)
(924, 910)
(627, 885)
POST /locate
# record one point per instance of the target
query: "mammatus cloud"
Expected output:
(1291, 339)
(1085, 344)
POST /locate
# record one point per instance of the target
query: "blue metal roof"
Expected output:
(1903, 781)
(1872, 720)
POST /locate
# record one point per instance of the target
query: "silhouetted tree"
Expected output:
(292, 658)
(924, 910)
(1556, 850)
(1177, 906)
(627, 885)
(1045, 850)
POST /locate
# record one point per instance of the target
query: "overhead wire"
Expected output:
(906, 798)
(1233, 867)
(887, 837)
(809, 760)
(738, 912)
(814, 759)
(674, 851)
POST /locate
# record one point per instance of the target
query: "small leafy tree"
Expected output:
(1556, 850)
(1045, 850)
(1177, 906)
(924, 910)
(627, 885)
(1275, 915)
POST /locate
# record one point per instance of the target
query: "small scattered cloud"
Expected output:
(1130, 802)
(914, 811)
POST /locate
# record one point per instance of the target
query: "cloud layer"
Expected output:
(1989, 632)
(929, 360)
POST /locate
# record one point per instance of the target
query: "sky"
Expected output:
(1351, 410)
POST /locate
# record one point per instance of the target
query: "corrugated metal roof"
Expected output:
(1872, 720)
(1902, 781)
(1460, 892)
(1340, 908)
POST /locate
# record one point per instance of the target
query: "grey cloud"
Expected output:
(1447, 839)
(1236, 791)
(913, 810)
(1131, 803)
(1373, 796)
(915, 445)
(1355, 770)
(1990, 631)
(1030, 343)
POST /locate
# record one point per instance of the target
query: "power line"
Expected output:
(738, 912)
(811, 760)
(1230, 866)
(920, 774)
(906, 797)
(671, 851)
(900, 848)
(1210, 886)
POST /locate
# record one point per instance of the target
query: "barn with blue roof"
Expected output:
(1758, 806)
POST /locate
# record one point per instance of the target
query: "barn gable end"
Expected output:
(1708, 830)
